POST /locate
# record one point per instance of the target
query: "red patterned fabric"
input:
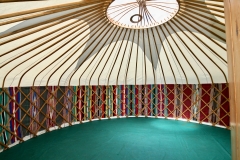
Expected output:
(187, 101)
(171, 99)
(205, 102)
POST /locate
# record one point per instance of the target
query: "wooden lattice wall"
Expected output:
(26, 111)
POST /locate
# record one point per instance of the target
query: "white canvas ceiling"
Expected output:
(79, 46)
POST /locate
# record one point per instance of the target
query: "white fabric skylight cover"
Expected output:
(141, 13)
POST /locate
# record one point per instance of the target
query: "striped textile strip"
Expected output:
(211, 118)
(149, 98)
(83, 110)
(94, 103)
(123, 108)
(34, 108)
(12, 110)
(111, 100)
(144, 100)
(171, 98)
(198, 101)
(110, 92)
(155, 101)
(16, 112)
(114, 101)
(129, 95)
(127, 104)
(122, 103)
(187, 101)
(160, 100)
(86, 103)
(4, 118)
(101, 105)
(89, 103)
(74, 100)
(225, 108)
(51, 106)
(165, 101)
(130, 100)
(83, 102)
(133, 106)
(103, 100)
(145, 96)
(79, 103)
(136, 100)
(140, 101)
(99, 102)
(119, 100)
(199, 98)
(67, 105)
(195, 102)
(176, 101)
(214, 110)
(152, 101)
(107, 101)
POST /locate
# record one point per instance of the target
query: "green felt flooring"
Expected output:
(127, 138)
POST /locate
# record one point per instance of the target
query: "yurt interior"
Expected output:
(119, 79)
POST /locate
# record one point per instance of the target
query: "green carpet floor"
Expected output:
(127, 138)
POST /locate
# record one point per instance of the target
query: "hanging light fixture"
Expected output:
(140, 14)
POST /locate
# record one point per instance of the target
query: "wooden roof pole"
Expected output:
(232, 21)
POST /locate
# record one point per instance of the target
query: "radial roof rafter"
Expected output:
(76, 44)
